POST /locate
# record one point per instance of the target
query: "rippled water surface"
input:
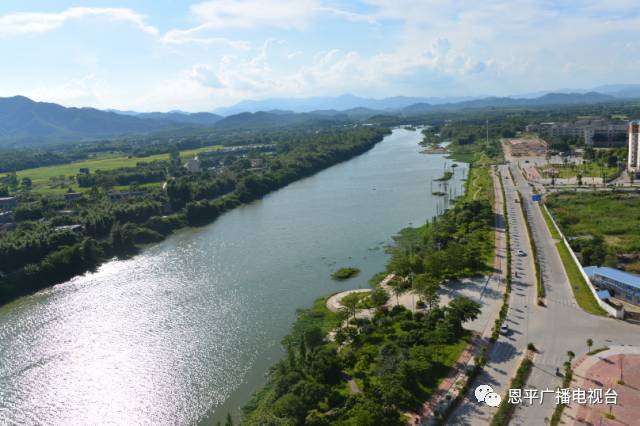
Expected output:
(184, 332)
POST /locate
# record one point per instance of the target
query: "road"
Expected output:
(562, 325)
(507, 351)
(554, 329)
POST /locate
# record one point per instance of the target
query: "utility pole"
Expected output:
(487, 132)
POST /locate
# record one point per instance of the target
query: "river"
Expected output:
(184, 332)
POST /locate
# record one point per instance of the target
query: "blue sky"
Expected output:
(198, 55)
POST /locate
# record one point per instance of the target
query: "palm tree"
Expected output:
(571, 355)
(398, 291)
(430, 296)
(589, 343)
(427, 287)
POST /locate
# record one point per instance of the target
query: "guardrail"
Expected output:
(617, 313)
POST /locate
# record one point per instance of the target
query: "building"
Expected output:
(8, 203)
(73, 228)
(633, 160)
(590, 130)
(621, 285)
(72, 196)
(193, 165)
(257, 163)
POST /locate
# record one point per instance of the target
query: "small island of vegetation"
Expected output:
(345, 273)
(446, 176)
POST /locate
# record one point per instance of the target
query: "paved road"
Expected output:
(555, 329)
(506, 353)
(561, 325)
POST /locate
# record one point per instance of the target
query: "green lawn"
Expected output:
(479, 182)
(580, 288)
(554, 232)
(41, 176)
(586, 170)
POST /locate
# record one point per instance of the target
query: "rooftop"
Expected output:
(614, 274)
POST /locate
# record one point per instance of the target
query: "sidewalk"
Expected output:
(449, 388)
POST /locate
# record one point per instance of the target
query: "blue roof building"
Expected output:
(621, 285)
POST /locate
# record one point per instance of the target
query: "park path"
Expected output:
(505, 354)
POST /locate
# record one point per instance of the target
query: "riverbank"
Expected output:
(185, 331)
(364, 350)
(38, 257)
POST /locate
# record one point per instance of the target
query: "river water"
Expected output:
(184, 332)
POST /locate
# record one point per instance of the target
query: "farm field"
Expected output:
(41, 176)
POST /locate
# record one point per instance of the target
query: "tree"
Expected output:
(379, 296)
(313, 338)
(465, 308)
(397, 291)
(461, 310)
(302, 351)
(350, 304)
(427, 287)
(229, 421)
(571, 355)
(589, 343)
(26, 183)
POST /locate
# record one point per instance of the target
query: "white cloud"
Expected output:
(29, 22)
(87, 90)
(205, 75)
(252, 13)
(296, 14)
(199, 35)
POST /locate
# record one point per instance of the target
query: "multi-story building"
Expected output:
(633, 160)
(589, 130)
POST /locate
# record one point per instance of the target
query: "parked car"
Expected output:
(504, 329)
(521, 253)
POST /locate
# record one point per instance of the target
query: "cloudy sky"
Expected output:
(172, 54)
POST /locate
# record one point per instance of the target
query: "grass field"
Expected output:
(41, 176)
(586, 170)
(615, 216)
(579, 286)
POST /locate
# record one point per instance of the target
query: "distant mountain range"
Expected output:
(344, 103)
(336, 103)
(26, 122)
(178, 117)
(493, 102)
